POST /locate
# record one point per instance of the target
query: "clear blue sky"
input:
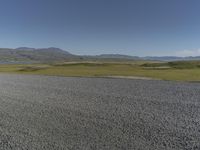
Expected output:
(134, 27)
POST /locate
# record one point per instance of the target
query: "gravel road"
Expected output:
(55, 113)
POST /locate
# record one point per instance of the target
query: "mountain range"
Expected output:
(52, 54)
(25, 54)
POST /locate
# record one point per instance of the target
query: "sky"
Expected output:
(90, 27)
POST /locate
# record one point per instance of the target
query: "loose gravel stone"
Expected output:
(48, 113)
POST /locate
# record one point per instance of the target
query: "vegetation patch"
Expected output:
(174, 64)
(185, 64)
(31, 68)
(82, 64)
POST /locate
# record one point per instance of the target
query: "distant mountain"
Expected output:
(25, 48)
(53, 54)
(109, 57)
(155, 58)
(170, 58)
(118, 56)
(25, 54)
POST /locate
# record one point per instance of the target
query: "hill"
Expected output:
(52, 54)
(26, 55)
(170, 58)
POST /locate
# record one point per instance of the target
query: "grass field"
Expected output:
(180, 71)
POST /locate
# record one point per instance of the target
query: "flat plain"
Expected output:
(71, 113)
(177, 71)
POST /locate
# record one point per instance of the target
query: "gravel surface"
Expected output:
(55, 113)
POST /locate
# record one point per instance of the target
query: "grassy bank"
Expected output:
(181, 71)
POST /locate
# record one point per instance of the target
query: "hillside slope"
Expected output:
(24, 54)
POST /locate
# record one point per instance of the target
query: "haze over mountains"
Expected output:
(52, 54)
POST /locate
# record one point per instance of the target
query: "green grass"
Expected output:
(174, 64)
(180, 71)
